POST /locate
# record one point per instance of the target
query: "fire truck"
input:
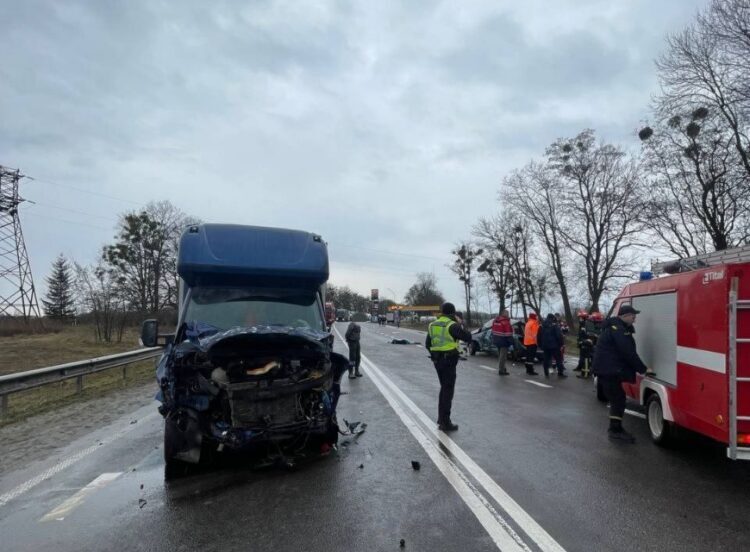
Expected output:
(694, 333)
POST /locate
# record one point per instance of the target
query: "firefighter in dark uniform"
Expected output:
(616, 361)
(442, 341)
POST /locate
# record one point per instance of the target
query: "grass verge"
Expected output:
(49, 397)
(29, 351)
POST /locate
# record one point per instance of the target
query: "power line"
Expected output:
(84, 191)
(77, 222)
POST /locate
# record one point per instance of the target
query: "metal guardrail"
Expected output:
(22, 381)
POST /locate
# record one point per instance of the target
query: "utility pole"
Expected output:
(17, 294)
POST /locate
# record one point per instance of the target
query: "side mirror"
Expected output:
(149, 333)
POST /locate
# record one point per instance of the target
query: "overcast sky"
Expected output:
(384, 126)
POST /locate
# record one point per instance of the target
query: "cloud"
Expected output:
(384, 126)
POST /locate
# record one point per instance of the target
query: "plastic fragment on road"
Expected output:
(141, 502)
(355, 428)
(361, 466)
(415, 465)
(402, 543)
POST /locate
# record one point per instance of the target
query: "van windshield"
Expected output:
(226, 308)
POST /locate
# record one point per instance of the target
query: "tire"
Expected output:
(174, 444)
(473, 348)
(661, 430)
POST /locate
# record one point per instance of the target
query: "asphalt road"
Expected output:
(529, 469)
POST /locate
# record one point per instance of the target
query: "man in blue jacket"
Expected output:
(616, 361)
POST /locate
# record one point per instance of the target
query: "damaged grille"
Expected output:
(274, 392)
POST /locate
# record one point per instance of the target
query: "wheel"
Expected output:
(473, 348)
(180, 444)
(658, 427)
(601, 397)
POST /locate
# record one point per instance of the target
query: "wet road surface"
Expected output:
(529, 469)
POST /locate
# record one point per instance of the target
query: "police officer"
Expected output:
(442, 342)
(616, 361)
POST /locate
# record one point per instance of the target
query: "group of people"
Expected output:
(615, 359)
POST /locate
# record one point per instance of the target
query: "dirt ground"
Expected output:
(40, 436)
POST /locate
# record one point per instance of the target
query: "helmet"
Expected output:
(596, 316)
(582, 313)
(448, 308)
(532, 316)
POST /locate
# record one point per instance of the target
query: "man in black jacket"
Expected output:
(616, 361)
(550, 340)
(352, 340)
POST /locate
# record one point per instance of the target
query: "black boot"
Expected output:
(447, 426)
(530, 371)
(617, 433)
(620, 436)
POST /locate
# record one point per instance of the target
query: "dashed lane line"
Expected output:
(66, 463)
(64, 509)
(532, 382)
(491, 520)
(636, 414)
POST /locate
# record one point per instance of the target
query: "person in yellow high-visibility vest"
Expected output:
(442, 341)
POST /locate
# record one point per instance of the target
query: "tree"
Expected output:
(101, 294)
(424, 291)
(465, 256)
(144, 256)
(534, 193)
(495, 235)
(707, 65)
(59, 303)
(697, 200)
(601, 194)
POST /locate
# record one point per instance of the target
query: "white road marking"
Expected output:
(491, 520)
(69, 461)
(532, 382)
(490, 368)
(59, 513)
(634, 413)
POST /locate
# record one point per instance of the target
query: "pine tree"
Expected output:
(59, 303)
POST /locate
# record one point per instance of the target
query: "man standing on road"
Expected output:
(442, 342)
(352, 335)
(502, 336)
(550, 339)
(616, 361)
(529, 342)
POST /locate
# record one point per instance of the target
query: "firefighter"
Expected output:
(585, 345)
(616, 361)
(529, 342)
(442, 341)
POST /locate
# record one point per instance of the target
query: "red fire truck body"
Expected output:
(694, 333)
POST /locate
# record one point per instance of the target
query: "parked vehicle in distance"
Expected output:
(481, 341)
(343, 315)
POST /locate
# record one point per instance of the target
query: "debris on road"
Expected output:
(142, 483)
(402, 342)
(141, 502)
(415, 465)
(133, 422)
(361, 466)
(355, 428)
(402, 543)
